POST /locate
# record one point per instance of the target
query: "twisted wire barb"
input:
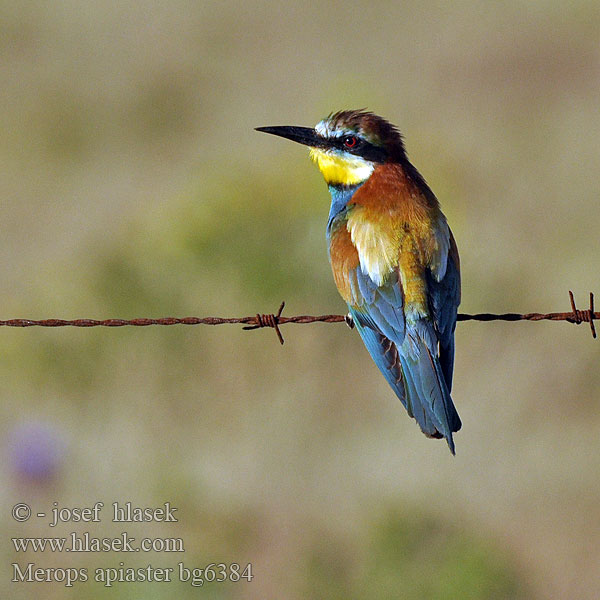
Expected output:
(259, 321)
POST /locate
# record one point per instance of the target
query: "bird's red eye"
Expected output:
(350, 141)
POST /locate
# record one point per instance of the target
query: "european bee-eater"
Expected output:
(393, 257)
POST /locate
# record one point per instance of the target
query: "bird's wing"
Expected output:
(380, 307)
(444, 298)
(379, 318)
(415, 357)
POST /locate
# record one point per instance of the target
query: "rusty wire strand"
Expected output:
(275, 320)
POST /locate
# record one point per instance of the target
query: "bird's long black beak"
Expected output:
(302, 135)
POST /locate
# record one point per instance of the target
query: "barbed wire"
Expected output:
(259, 321)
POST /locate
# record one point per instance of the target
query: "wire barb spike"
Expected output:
(268, 321)
(583, 316)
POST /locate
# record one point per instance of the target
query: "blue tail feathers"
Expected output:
(412, 368)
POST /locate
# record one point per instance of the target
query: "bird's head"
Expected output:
(347, 145)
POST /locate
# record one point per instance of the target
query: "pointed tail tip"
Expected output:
(450, 442)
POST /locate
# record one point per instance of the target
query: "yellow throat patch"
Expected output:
(339, 169)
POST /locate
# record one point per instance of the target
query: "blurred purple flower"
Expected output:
(36, 450)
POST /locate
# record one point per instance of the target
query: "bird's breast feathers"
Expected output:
(376, 242)
(384, 233)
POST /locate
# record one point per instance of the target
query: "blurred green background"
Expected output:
(134, 185)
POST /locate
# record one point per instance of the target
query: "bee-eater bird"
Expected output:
(393, 257)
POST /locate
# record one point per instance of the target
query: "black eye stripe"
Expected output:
(361, 148)
(341, 143)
